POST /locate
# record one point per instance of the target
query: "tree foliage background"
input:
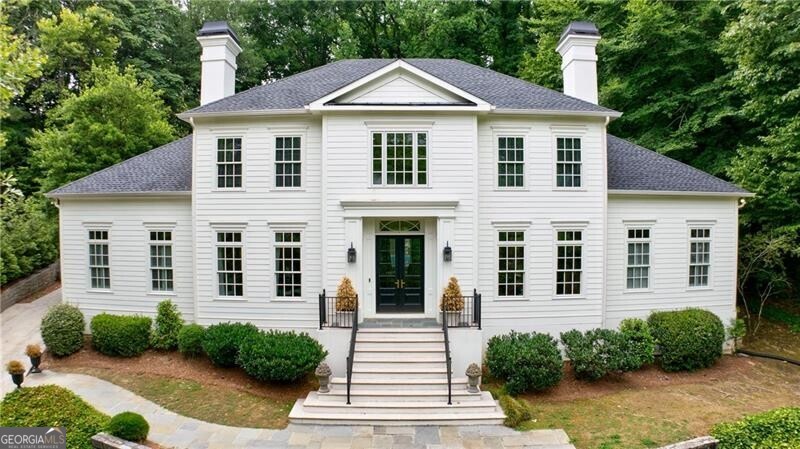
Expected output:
(713, 84)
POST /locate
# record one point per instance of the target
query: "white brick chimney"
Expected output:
(220, 48)
(579, 60)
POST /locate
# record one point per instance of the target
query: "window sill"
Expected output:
(630, 291)
(400, 186)
(230, 298)
(232, 189)
(511, 298)
(300, 299)
(512, 189)
(99, 290)
(699, 289)
(567, 297)
(287, 189)
(164, 293)
(570, 189)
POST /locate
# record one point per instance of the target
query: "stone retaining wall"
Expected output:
(697, 443)
(22, 288)
(106, 441)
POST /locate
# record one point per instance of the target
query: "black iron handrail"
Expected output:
(447, 359)
(330, 316)
(351, 354)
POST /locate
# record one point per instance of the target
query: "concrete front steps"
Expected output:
(399, 378)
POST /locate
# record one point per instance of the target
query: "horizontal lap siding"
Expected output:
(540, 204)
(129, 250)
(670, 247)
(259, 205)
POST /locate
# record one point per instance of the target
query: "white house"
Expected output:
(400, 173)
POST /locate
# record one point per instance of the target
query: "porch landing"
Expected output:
(399, 323)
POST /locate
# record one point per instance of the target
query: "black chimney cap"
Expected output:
(580, 28)
(218, 28)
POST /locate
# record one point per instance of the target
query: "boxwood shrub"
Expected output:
(779, 428)
(62, 329)
(595, 353)
(640, 346)
(689, 339)
(53, 406)
(121, 335)
(190, 340)
(516, 410)
(129, 426)
(280, 356)
(166, 326)
(526, 361)
(221, 341)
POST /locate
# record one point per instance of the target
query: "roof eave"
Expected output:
(680, 193)
(609, 113)
(101, 195)
(186, 116)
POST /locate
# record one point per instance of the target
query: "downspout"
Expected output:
(604, 301)
(195, 292)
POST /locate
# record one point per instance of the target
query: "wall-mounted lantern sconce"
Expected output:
(351, 254)
(448, 252)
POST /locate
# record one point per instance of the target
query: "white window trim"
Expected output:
(412, 126)
(97, 226)
(215, 186)
(511, 226)
(628, 227)
(275, 229)
(569, 226)
(497, 162)
(159, 227)
(700, 225)
(228, 227)
(567, 131)
(290, 132)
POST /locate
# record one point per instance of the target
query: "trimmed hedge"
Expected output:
(190, 340)
(53, 406)
(689, 339)
(280, 356)
(779, 428)
(121, 335)
(166, 327)
(640, 344)
(62, 329)
(221, 341)
(526, 361)
(595, 353)
(129, 426)
(517, 411)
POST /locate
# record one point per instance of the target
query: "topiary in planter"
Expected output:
(276, 356)
(129, 426)
(166, 327)
(190, 340)
(526, 361)
(346, 296)
(452, 299)
(62, 329)
(689, 339)
(221, 342)
(121, 335)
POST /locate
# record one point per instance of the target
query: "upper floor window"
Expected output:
(288, 274)
(568, 162)
(699, 256)
(638, 266)
(511, 263)
(229, 163)
(399, 158)
(510, 161)
(161, 278)
(569, 262)
(287, 161)
(99, 262)
(230, 273)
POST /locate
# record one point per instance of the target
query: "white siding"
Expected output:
(670, 218)
(130, 278)
(395, 89)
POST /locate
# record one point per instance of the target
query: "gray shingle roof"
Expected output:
(169, 169)
(631, 167)
(297, 91)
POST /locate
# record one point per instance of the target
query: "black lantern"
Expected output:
(351, 254)
(448, 252)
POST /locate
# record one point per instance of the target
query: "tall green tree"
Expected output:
(116, 118)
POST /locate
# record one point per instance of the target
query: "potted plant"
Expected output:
(34, 352)
(17, 371)
(346, 298)
(452, 301)
(323, 373)
(474, 377)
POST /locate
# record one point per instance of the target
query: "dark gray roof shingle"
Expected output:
(167, 168)
(297, 91)
(631, 167)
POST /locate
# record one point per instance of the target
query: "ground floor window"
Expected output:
(638, 266)
(288, 276)
(99, 261)
(161, 279)
(699, 256)
(569, 262)
(510, 263)
(230, 274)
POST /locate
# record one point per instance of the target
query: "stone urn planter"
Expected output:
(473, 378)
(323, 373)
(17, 371)
(34, 352)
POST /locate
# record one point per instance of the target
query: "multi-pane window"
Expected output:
(568, 162)
(699, 256)
(399, 158)
(511, 263)
(229, 162)
(638, 268)
(161, 261)
(510, 161)
(230, 276)
(288, 278)
(287, 161)
(569, 262)
(99, 264)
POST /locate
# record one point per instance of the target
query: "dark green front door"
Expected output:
(400, 274)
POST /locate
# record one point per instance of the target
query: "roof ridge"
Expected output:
(102, 170)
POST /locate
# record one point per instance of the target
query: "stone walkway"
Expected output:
(20, 326)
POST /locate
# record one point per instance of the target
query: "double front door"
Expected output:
(400, 274)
